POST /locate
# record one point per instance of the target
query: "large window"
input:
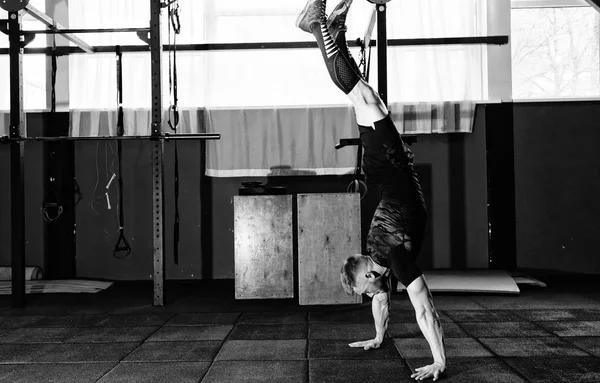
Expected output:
(555, 49)
(34, 79)
(259, 78)
(264, 78)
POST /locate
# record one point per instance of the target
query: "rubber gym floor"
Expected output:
(202, 334)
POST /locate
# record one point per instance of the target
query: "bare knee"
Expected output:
(363, 94)
(368, 106)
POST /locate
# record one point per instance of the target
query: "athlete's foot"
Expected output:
(313, 13)
(336, 21)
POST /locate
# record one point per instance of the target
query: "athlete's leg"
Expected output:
(313, 20)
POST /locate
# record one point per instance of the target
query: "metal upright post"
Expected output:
(17, 117)
(382, 45)
(157, 154)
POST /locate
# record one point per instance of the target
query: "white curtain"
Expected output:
(277, 110)
(265, 78)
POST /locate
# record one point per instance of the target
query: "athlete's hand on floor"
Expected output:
(367, 344)
(433, 370)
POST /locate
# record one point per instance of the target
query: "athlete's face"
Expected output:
(369, 282)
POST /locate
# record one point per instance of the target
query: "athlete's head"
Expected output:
(358, 276)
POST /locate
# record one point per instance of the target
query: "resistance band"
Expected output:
(122, 245)
(52, 203)
(173, 9)
(365, 47)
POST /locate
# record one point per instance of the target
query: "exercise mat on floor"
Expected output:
(31, 273)
(471, 281)
(57, 286)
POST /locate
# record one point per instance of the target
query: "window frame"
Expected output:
(531, 4)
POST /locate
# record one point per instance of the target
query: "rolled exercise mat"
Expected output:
(32, 273)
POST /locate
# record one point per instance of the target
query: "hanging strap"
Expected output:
(173, 9)
(122, 245)
(51, 207)
(365, 51)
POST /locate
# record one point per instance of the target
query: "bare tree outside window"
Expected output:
(555, 52)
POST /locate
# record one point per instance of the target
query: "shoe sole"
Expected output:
(339, 11)
(336, 13)
(302, 15)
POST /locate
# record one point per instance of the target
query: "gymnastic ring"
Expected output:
(13, 5)
(358, 186)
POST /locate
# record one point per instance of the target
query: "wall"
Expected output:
(557, 183)
(453, 168)
(34, 196)
(98, 227)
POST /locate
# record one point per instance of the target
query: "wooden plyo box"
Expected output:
(328, 233)
(264, 260)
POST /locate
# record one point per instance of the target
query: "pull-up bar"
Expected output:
(471, 40)
(92, 30)
(166, 137)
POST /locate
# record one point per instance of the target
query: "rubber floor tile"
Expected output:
(341, 331)
(175, 351)
(408, 316)
(550, 300)
(589, 344)
(412, 330)
(135, 320)
(38, 335)
(269, 331)
(549, 315)
(18, 321)
(183, 372)
(340, 349)
(6, 371)
(455, 348)
(504, 329)
(454, 302)
(190, 333)
(92, 352)
(192, 306)
(483, 316)
(111, 334)
(273, 317)
(68, 321)
(558, 370)
(266, 305)
(522, 347)
(589, 315)
(573, 328)
(275, 371)
(358, 371)
(22, 353)
(362, 316)
(203, 318)
(58, 373)
(476, 370)
(263, 350)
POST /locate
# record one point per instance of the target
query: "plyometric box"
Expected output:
(328, 233)
(264, 261)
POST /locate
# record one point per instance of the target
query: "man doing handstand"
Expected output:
(398, 224)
